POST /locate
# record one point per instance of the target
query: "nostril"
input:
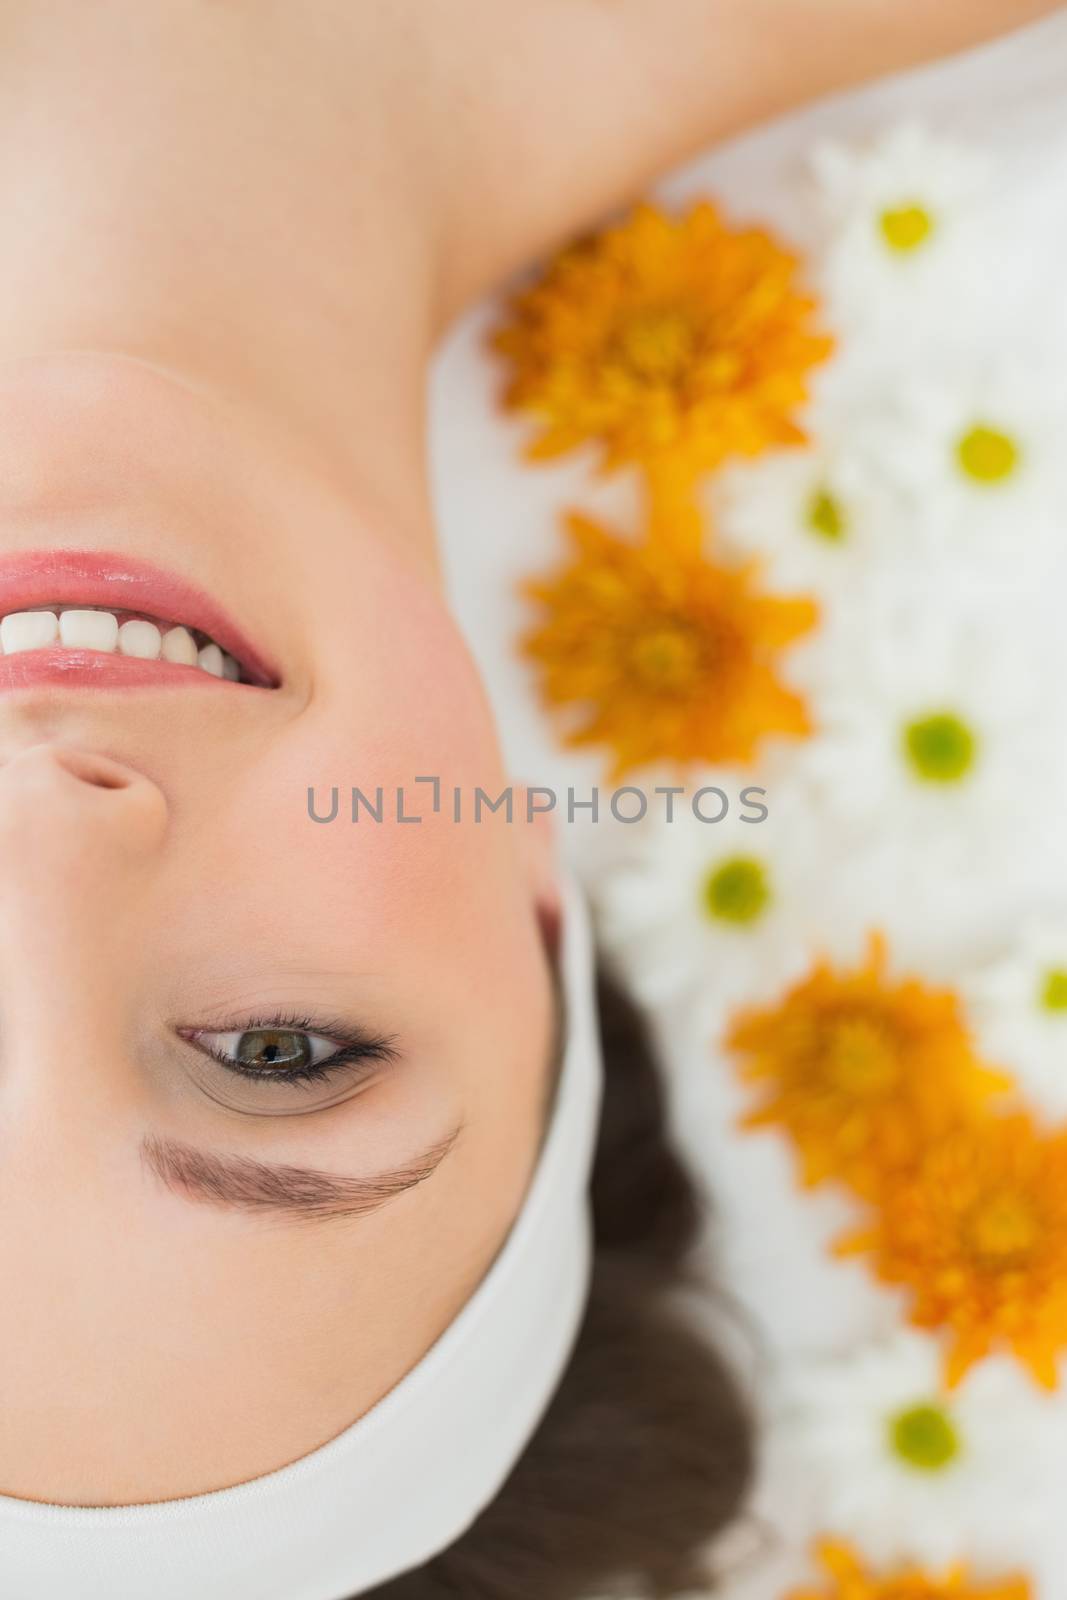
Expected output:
(98, 771)
(72, 806)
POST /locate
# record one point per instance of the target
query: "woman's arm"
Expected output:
(559, 110)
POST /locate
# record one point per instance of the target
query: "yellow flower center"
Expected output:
(737, 890)
(666, 658)
(859, 1056)
(924, 1437)
(826, 516)
(1054, 990)
(656, 345)
(940, 748)
(906, 227)
(987, 455)
(1003, 1229)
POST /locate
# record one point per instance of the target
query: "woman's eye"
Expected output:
(277, 1066)
(285, 1052)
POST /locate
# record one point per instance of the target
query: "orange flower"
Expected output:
(976, 1233)
(858, 1068)
(661, 655)
(849, 1578)
(664, 340)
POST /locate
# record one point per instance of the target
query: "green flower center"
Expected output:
(1054, 990)
(906, 227)
(940, 748)
(924, 1437)
(737, 890)
(826, 516)
(987, 455)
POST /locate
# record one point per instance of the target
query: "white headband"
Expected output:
(402, 1483)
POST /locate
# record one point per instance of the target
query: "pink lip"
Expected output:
(35, 577)
(95, 669)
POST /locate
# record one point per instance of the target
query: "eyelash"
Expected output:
(353, 1047)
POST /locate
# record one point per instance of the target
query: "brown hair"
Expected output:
(645, 1451)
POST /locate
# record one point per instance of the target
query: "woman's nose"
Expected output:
(76, 821)
(81, 841)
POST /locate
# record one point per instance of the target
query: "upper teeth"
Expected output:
(91, 629)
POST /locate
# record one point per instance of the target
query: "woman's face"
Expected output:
(209, 1272)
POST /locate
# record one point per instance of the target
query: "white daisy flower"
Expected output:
(1017, 1004)
(965, 459)
(809, 516)
(900, 214)
(925, 723)
(973, 448)
(813, 516)
(711, 909)
(910, 1473)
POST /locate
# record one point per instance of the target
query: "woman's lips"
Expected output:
(93, 669)
(59, 579)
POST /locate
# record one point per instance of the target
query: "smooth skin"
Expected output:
(233, 231)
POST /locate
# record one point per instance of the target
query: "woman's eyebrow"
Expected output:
(241, 1183)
